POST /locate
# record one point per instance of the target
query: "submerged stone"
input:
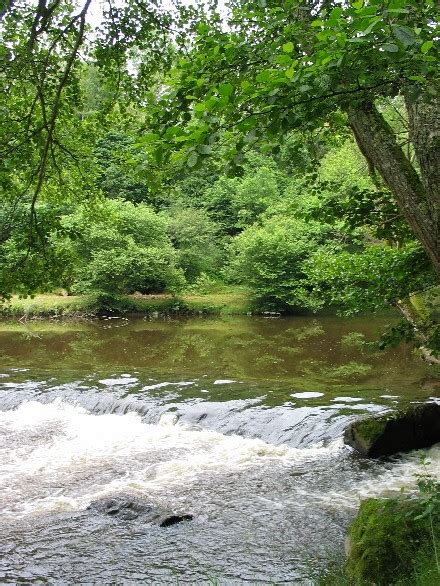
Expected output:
(383, 435)
(129, 508)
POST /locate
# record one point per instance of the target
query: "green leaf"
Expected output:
(370, 27)
(204, 149)
(404, 34)
(335, 15)
(172, 131)
(192, 160)
(226, 89)
(397, 11)
(203, 28)
(158, 155)
(426, 46)
(148, 138)
(264, 76)
(283, 60)
(341, 39)
(288, 47)
(250, 136)
(289, 73)
(390, 48)
(358, 4)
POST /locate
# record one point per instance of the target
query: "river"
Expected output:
(235, 420)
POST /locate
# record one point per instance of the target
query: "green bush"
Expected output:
(371, 279)
(29, 261)
(131, 269)
(253, 196)
(270, 260)
(120, 247)
(195, 237)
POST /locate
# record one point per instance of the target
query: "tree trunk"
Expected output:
(417, 198)
(424, 132)
(412, 316)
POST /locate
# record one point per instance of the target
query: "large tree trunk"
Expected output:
(417, 321)
(417, 196)
(424, 132)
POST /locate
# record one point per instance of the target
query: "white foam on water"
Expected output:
(398, 474)
(307, 395)
(123, 380)
(167, 384)
(156, 386)
(168, 419)
(223, 381)
(59, 457)
(347, 399)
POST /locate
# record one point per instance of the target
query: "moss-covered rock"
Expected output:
(385, 538)
(390, 433)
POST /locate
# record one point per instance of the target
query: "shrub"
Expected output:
(270, 260)
(121, 248)
(134, 268)
(194, 235)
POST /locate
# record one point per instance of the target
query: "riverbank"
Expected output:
(227, 302)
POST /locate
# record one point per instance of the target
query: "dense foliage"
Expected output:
(289, 148)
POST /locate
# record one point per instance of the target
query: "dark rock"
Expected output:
(129, 508)
(383, 435)
(167, 521)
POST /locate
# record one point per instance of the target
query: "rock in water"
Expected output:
(384, 435)
(129, 508)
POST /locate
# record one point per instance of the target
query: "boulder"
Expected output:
(129, 508)
(383, 435)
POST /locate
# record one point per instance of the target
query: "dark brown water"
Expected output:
(236, 420)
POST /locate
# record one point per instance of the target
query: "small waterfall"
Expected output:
(291, 424)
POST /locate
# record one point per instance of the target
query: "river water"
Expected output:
(237, 421)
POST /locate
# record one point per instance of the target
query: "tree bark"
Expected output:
(424, 132)
(417, 196)
(412, 316)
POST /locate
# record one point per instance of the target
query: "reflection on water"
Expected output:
(310, 354)
(237, 421)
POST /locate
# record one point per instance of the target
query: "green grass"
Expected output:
(228, 302)
(45, 305)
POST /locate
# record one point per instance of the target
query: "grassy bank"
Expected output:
(228, 302)
(392, 541)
